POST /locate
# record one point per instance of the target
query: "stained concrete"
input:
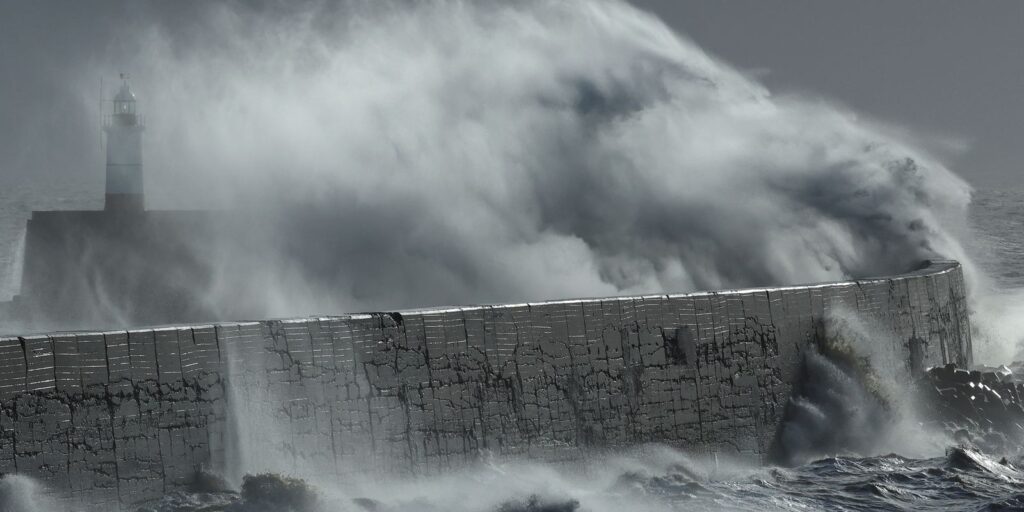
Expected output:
(116, 418)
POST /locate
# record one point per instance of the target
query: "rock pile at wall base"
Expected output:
(117, 418)
(984, 409)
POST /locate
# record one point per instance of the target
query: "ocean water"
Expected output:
(938, 473)
(663, 480)
(997, 220)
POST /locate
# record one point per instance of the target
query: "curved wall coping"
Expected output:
(928, 267)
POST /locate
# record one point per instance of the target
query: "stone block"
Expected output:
(13, 369)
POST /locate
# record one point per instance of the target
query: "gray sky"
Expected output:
(948, 68)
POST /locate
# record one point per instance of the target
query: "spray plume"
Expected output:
(402, 155)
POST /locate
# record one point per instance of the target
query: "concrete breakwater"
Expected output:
(117, 418)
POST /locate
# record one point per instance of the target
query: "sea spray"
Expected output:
(395, 155)
(11, 276)
(855, 397)
(835, 411)
(997, 324)
(20, 493)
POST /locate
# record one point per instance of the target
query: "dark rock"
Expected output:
(367, 504)
(207, 482)
(536, 504)
(978, 408)
(275, 493)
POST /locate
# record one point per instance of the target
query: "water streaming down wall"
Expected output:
(116, 418)
(10, 277)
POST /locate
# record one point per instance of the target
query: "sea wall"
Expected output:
(115, 418)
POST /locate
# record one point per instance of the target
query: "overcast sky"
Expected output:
(952, 70)
(948, 68)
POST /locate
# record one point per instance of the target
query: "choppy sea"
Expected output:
(943, 476)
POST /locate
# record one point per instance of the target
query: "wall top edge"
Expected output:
(927, 268)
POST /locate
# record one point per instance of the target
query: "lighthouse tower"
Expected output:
(124, 152)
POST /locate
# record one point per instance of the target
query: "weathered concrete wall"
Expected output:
(120, 417)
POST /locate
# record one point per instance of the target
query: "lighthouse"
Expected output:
(124, 129)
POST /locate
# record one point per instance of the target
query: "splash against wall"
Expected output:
(467, 152)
